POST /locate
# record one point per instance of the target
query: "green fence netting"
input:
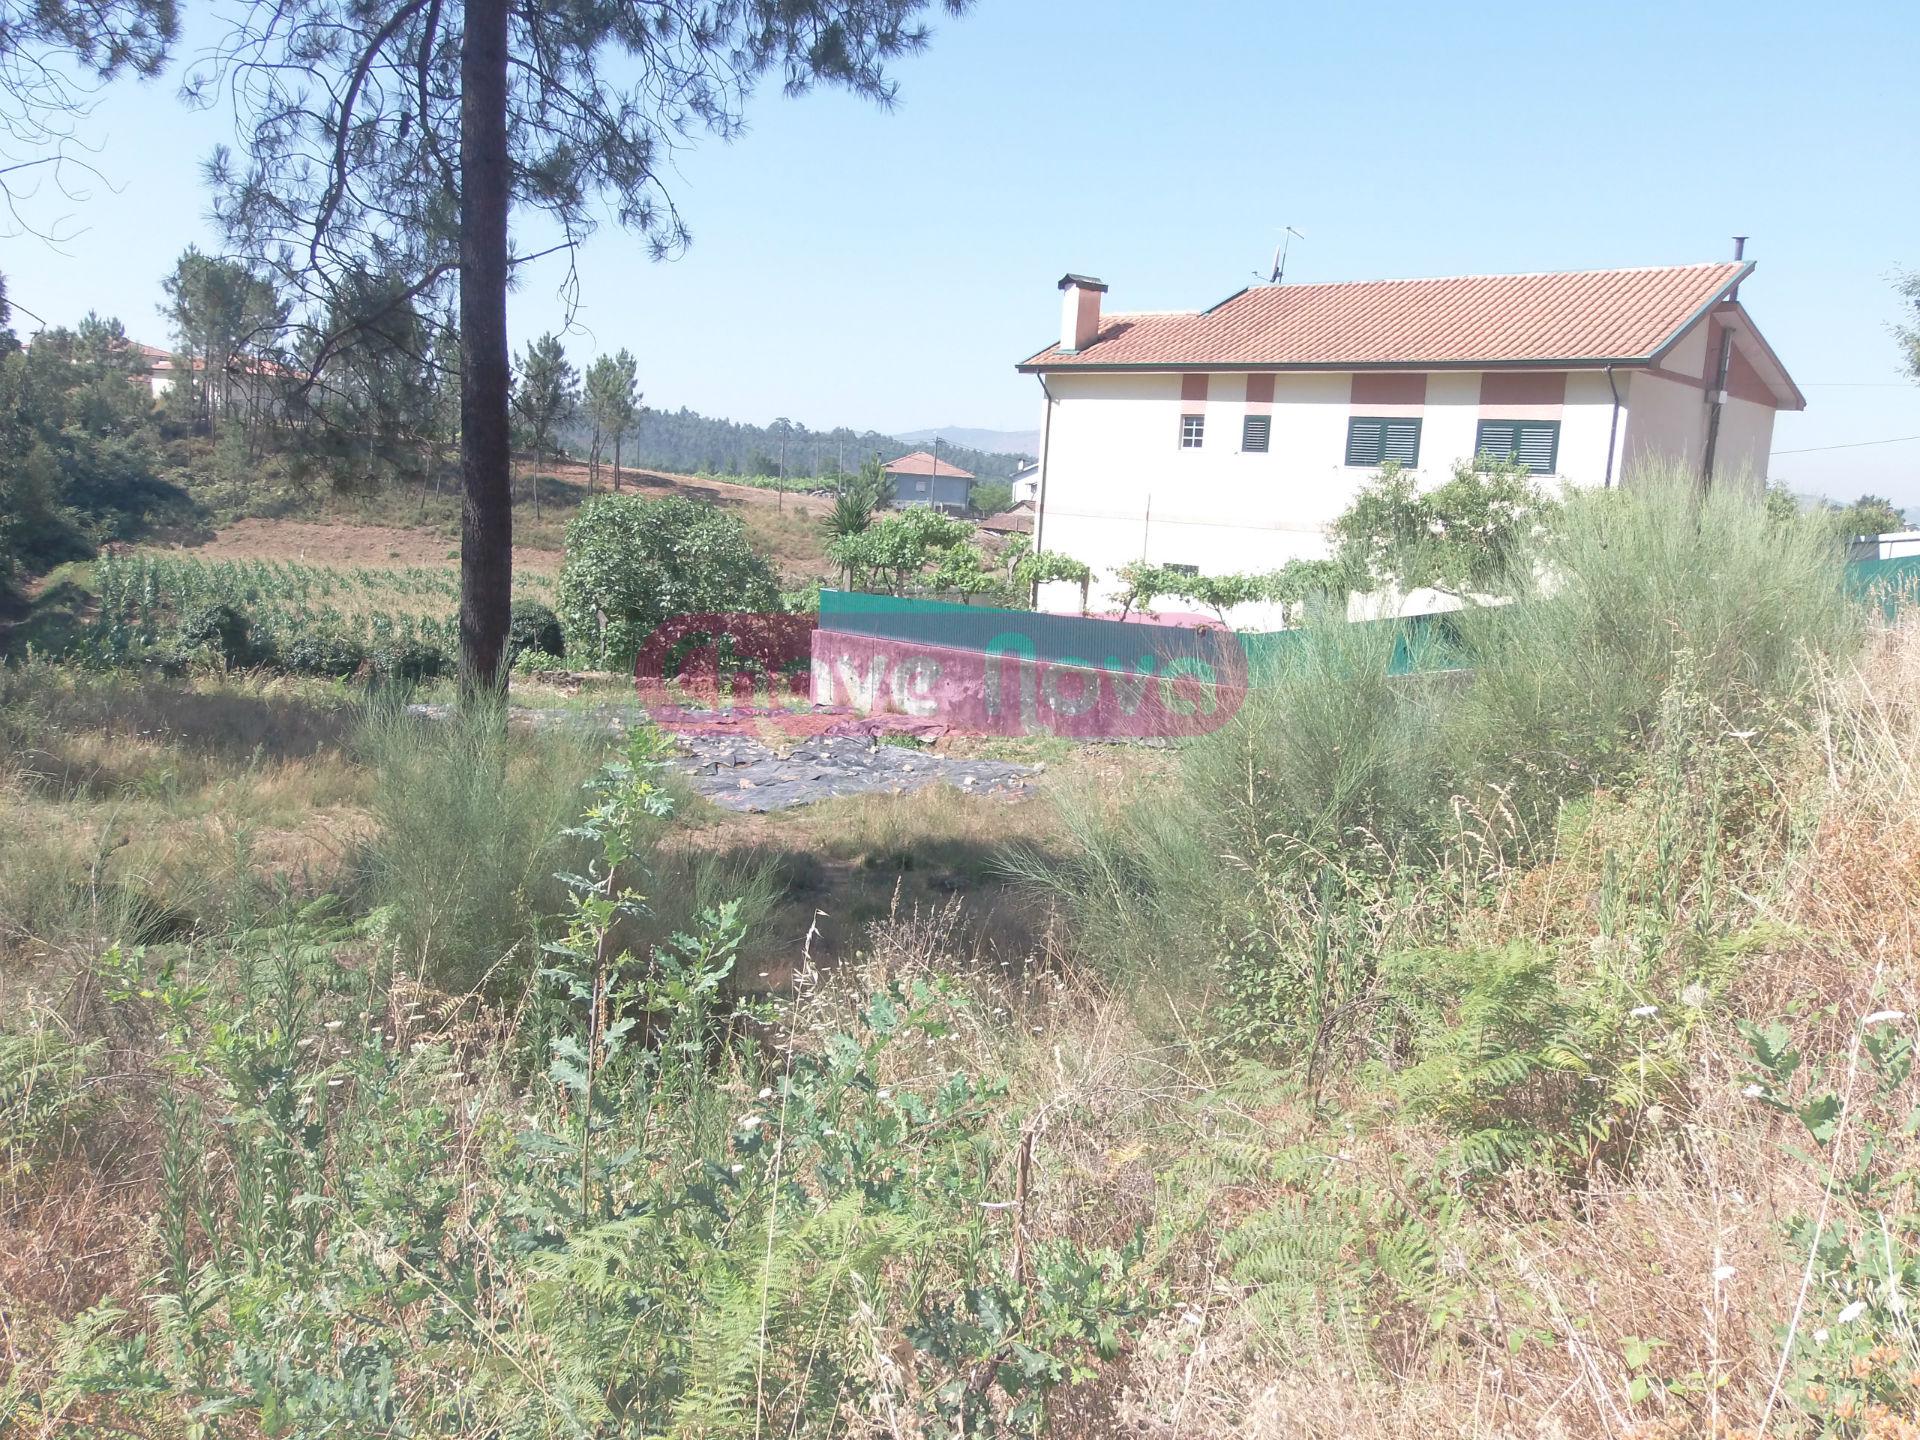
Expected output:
(1419, 642)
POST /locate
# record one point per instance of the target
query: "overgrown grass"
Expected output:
(1469, 1059)
(1634, 589)
(468, 820)
(1337, 783)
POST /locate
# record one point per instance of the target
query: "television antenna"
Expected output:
(1278, 274)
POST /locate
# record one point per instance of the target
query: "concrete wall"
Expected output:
(1011, 694)
(1746, 438)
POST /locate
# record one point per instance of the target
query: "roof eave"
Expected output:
(1705, 309)
(1253, 367)
(1781, 383)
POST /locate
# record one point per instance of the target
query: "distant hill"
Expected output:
(1008, 442)
(688, 442)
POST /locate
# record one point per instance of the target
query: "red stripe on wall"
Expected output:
(1389, 389)
(1523, 387)
(1259, 389)
(1193, 387)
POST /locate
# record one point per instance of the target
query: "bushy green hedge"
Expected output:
(633, 563)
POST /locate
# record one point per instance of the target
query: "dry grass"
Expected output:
(1550, 1287)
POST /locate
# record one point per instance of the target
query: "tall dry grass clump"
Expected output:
(1628, 589)
(468, 818)
(1342, 780)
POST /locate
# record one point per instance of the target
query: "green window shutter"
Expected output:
(1256, 433)
(1535, 443)
(1539, 445)
(1366, 441)
(1403, 443)
(1376, 439)
(1496, 438)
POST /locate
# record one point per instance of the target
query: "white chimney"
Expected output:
(1079, 311)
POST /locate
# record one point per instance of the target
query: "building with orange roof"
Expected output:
(1227, 439)
(921, 479)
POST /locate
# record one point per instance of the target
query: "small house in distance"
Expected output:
(920, 479)
(1026, 481)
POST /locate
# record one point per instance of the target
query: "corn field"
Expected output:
(281, 614)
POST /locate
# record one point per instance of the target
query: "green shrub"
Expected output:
(1643, 622)
(534, 629)
(633, 563)
(1330, 764)
(321, 649)
(1629, 588)
(408, 658)
(216, 633)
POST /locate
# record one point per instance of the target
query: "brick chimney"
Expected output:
(1079, 311)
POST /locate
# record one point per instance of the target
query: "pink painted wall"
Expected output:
(1009, 694)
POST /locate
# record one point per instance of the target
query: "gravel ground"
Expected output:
(843, 755)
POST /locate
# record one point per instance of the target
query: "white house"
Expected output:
(1026, 481)
(1227, 439)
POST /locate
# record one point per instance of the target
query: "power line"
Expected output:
(1851, 445)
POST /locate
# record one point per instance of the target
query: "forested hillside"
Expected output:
(685, 441)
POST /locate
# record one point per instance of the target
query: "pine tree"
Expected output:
(546, 395)
(227, 320)
(53, 55)
(392, 140)
(612, 402)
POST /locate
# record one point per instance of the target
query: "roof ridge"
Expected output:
(1486, 275)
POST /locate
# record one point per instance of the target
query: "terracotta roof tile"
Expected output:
(1583, 316)
(921, 463)
(1017, 521)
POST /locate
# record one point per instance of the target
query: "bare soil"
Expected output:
(786, 529)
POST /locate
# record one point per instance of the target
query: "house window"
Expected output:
(920, 486)
(1193, 429)
(1534, 443)
(1182, 569)
(1255, 433)
(1376, 439)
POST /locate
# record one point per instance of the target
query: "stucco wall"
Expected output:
(1119, 486)
(941, 490)
(1667, 413)
(1746, 437)
(1666, 420)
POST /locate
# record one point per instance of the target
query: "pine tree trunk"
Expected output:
(616, 462)
(486, 512)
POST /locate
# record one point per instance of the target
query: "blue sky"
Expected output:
(887, 270)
